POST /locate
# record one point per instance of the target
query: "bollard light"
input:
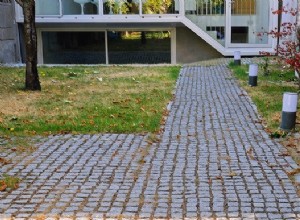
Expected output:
(289, 111)
(237, 58)
(253, 70)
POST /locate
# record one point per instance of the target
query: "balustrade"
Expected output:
(104, 7)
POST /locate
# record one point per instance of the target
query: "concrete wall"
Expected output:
(8, 45)
(191, 48)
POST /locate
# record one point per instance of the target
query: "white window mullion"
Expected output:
(228, 23)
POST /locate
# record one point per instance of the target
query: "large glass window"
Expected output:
(47, 7)
(124, 47)
(248, 19)
(74, 47)
(139, 47)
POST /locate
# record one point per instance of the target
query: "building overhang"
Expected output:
(110, 25)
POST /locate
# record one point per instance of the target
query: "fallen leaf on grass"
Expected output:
(3, 185)
(149, 142)
(142, 109)
(72, 74)
(14, 118)
(294, 172)
(276, 116)
(154, 111)
(291, 143)
(67, 101)
(4, 161)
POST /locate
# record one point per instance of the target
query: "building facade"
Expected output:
(141, 31)
(9, 46)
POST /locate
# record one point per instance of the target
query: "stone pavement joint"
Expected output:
(214, 161)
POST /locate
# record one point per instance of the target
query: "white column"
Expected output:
(181, 7)
(141, 7)
(100, 7)
(106, 48)
(60, 8)
(173, 46)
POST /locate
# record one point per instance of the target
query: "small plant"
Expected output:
(278, 134)
(265, 66)
(72, 74)
(9, 182)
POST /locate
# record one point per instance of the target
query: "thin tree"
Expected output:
(31, 78)
(298, 18)
(298, 30)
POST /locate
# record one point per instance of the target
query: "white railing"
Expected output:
(232, 22)
(243, 7)
(210, 7)
(217, 7)
(210, 16)
(104, 7)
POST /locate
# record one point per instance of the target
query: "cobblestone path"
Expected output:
(214, 161)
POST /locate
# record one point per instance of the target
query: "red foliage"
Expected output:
(288, 48)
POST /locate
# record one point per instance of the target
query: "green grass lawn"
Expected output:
(82, 99)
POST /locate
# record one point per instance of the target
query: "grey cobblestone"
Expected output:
(199, 170)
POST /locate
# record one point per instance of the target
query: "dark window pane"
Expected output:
(139, 47)
(74, 47)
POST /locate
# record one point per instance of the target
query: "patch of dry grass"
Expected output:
(82, 99)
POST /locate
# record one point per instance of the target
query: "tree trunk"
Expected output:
(32, 78)
(298, 15)
(298, 37)
(298, 22)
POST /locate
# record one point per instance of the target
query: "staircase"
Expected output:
(209, 36)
